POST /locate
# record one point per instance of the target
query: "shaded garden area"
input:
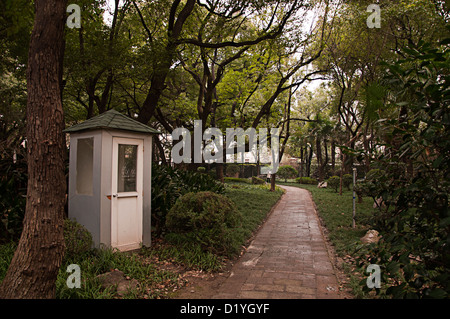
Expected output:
(344, 95)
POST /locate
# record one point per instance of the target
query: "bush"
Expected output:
(334, 182)
(257, 180)
(78, 240)
(347, 180)
(286, 171)
(414, 252)
(168, 184)
(206, 218)
(306, 180)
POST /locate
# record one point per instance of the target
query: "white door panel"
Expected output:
(127, 183)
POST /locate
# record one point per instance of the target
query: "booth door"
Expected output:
(127, 188)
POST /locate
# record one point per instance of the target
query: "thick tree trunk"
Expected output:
(34, 267)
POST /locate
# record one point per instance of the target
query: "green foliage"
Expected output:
(77, 239)
(237, 180)
(201, 169)
(287, 171)
(233, 169)
(371, 184)
(334, 182)
(374, 174)
(306, 180)
(187, 253)
(13, 188)
(100, 261)
(168, 184)
(257, 180)
(6, 255)
(347, 180)
(206, 218)
(414, 252)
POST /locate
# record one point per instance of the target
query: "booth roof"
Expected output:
(112, 120)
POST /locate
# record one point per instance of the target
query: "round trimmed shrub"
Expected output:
(334, 182)
(206, 218)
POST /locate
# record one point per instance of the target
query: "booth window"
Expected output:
(85, 166)
(126, 174)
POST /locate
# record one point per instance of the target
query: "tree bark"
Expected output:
(272, 182)
(319, 158)
(35, 265)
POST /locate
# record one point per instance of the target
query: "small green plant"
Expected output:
(77, 239)
(334, 182)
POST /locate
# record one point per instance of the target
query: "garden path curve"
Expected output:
(287, 259)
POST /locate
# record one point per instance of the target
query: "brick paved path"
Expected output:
(288, 257)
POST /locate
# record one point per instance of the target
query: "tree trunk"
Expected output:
(308, 162)
(301, 162)
(219, 172)
(333, 155)
(35, 265)
(272, 182)
(319, 159)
